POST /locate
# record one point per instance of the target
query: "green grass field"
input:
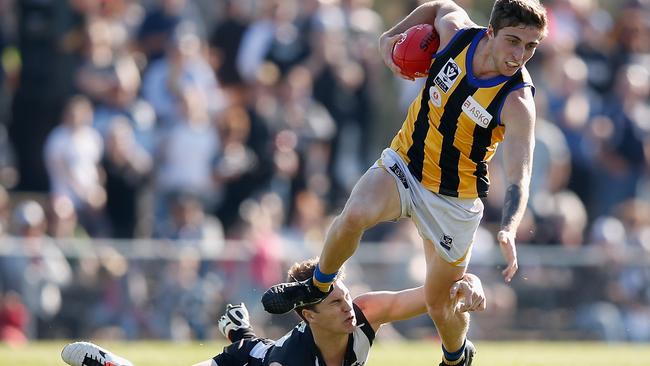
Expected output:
(384, 354)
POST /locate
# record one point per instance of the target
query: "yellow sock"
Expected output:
(323, 286)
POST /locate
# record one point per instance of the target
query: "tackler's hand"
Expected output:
(469, 294)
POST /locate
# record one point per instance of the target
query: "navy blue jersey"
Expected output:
(297, 348)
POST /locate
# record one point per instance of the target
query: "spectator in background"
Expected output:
(8, 173)
(621, 136)
(225, 42)
(127, 166)
(356, 73)
(65, 222)
(5, 211)
(184, 300)
(182, 68)
(160, 23)
(119, 297)
(191, 225)
(551, 161)
(570, 106)
(594, 45)
(632, 35)
(106, 68)
(616, 308)
(301, 115)
(37, 269)
(634, 214)
(14, 318)
(111, 79)
(306, 227)
(561, 218)
(186, 154)
(272, 37)
(73, 151)
(237, 157)
(256, 233)
(247, 158)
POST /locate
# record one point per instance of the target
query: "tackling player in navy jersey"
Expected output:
(337, 331)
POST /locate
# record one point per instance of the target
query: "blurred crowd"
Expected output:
(207, 122)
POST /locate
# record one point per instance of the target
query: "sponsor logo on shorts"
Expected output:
(447, 76)
(358, 363)
(400, 175)
(446, 241)
(476, 112)
(435, 96)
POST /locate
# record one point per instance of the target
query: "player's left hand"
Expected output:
(386, 44)
(469, 292)
(509, 251)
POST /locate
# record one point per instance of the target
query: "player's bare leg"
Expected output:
(374, 199)
(452, 326)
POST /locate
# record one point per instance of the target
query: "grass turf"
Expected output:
(383, 354)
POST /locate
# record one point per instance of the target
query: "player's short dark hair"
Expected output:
(512, 13)
(301, 271)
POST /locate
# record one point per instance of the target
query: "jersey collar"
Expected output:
(473, 80)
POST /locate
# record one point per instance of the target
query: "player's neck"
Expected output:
(483, 65)
(332, 346)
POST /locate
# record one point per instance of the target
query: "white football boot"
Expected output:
(89, 354)
(235, 318)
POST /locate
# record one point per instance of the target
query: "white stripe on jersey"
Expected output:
(260, 349)
(361, 345)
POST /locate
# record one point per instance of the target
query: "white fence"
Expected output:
(165, 289)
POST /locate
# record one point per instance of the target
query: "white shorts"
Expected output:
(450, 223)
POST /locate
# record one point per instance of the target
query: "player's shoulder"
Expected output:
(295, 347)
(519, 105)
(523, 88)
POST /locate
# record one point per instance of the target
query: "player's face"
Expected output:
(335, 313)
(514, 46)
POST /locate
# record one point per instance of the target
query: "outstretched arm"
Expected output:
(446, 17)
(519, 117)
(382, 307)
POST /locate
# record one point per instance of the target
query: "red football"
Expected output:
(412, 53)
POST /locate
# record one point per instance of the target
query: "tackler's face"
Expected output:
(336, 313)
(514, 46)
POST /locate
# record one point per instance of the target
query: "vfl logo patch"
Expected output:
(446, 241)
(400, 175)
(447, 75)
(476, 112)
(435, 96)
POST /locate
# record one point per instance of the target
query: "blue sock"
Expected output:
(323, 281)
(453, 358)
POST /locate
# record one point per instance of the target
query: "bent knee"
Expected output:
(356, 218)
(440, 309)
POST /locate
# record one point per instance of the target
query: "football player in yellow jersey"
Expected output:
(477, 94)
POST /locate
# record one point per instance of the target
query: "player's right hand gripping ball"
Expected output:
(413, 52)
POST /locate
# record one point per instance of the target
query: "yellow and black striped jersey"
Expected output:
(452, 129)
